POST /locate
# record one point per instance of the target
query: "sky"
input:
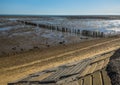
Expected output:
(60, 7)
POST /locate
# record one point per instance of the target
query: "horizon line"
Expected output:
(60, 14)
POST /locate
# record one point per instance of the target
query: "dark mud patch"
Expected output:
(113, 68)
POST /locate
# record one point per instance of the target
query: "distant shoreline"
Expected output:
(109, 17)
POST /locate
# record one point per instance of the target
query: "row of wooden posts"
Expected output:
(88, 33)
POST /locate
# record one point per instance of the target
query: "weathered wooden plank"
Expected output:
(97, 79)
(99, 65)
(76, 69)
(71, 83)
(105, 77)
(88, 80)
(106, 61)
(39, 78)
(63, 72)
(80, 81)
(85, 72)
(52, 76)
(93, 66)
(79, 67)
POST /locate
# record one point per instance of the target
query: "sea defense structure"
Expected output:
(84, 32)
(92, 33)
(90, 71)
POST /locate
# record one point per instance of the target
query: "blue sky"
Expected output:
(60, 7)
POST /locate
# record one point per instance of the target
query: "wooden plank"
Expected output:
(97, 79)
(69, 70)
(74, 68)
(106, 62)
(80, 81)
(99, 65)
(70, 83)
(85, 72)
(53, 76)
(81, 67)
(93, 66)
(64, 72)
(57, 74)
(106, 79)
(39, 78)
(88, 80)
(77, 69)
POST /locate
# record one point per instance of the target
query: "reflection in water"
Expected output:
(73, 25)
(106, 26)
